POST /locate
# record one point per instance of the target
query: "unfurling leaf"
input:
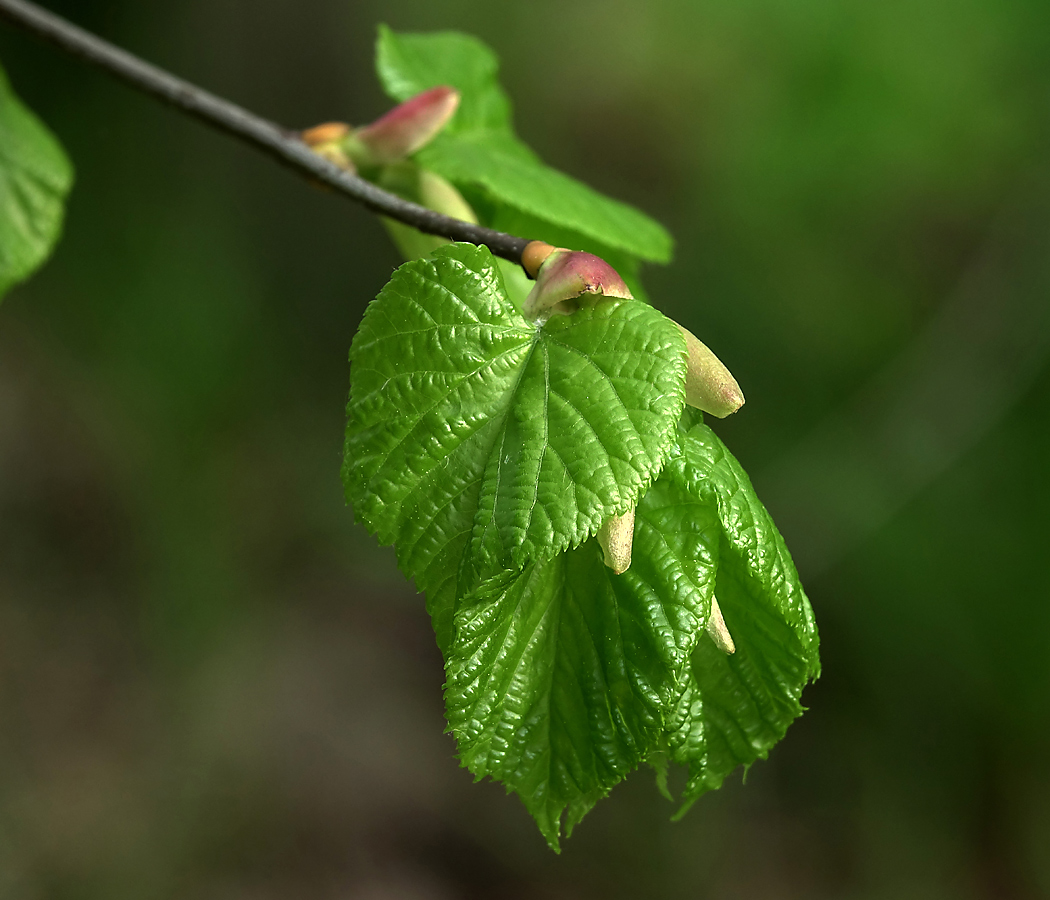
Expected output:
(527, 449)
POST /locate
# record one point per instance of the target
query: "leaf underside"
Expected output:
(35, 177)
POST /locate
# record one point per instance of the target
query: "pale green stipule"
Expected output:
(565, 278)
(430, 190)
(440, 194)
(615, 537)
(708, 384)
(402, 131)
(717, 630)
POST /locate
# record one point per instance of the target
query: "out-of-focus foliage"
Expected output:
(205, 691)
(480, 150)
(35, 177)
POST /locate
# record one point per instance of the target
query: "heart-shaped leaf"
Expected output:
(470, 425)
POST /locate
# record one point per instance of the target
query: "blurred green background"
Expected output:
(213, 685)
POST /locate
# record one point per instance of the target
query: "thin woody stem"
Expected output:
(280, 143)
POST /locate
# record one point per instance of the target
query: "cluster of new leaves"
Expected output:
(489, 449)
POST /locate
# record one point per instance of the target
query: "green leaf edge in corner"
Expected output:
(35, 178)
(479, 150)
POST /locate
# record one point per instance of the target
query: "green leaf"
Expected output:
(493, 162)
(559, 678)
(479, 149)
(750, 698)
(468, 424)
(565, 677)
(408, 64)
(35, 177)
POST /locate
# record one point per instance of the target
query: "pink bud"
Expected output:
(566, 275)
(616, 537)
(708, 384)
(405, 129)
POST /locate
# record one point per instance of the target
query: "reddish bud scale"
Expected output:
(325, 133)
(568, 275)
(405, 129)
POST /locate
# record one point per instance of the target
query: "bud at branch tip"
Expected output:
(566, 278)
(405, 129)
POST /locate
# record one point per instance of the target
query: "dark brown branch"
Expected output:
(280, 143)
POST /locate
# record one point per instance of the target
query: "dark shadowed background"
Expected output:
(214, 685)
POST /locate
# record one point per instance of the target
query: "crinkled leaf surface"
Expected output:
(751, 697)
(35, 177)
(470, 426)
(479, 149)
(564, 677)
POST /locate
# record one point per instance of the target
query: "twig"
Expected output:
(280, 143)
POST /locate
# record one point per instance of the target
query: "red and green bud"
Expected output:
(616, 537)
(565, 278)
(404, 130)
(717, 630)
(708, 384)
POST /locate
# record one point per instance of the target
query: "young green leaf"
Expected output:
(563, 678)
(466, 418)
(751, 697)
(494, 163)
(479, 150)
(35, 177)
(408, 64)
(558, 677)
